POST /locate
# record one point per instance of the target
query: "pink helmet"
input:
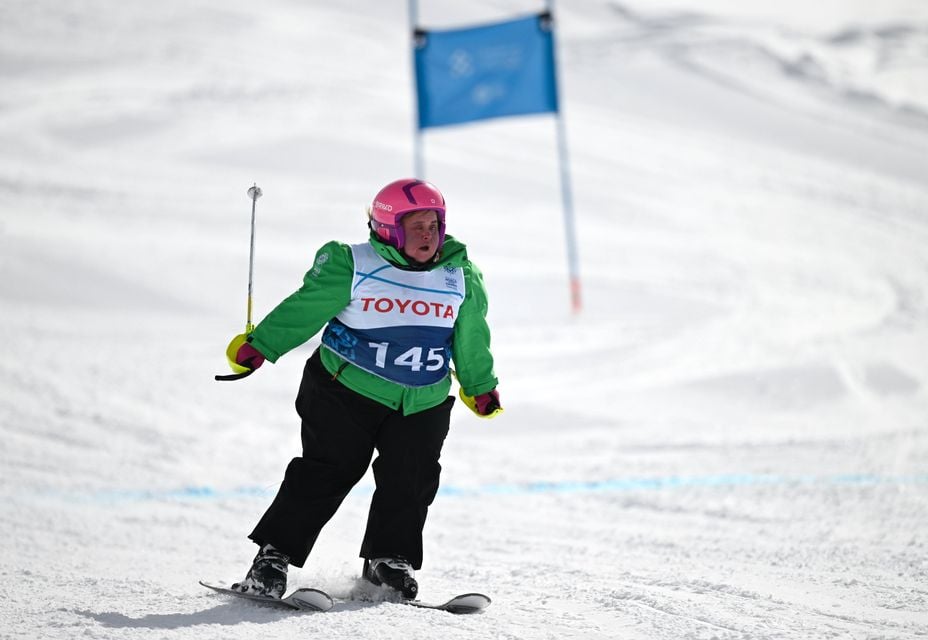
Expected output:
(399, 198)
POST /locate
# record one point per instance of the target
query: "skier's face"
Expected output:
(421, 231)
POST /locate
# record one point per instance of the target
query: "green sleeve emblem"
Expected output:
(321, 259)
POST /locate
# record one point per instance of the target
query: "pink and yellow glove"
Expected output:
(242, 356)
(486, 405)
(249, 357)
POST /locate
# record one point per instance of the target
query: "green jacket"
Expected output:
(326, 291)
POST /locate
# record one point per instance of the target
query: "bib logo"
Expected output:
(451, 281)
(418, 307)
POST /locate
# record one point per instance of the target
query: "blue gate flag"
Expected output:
(502, 69)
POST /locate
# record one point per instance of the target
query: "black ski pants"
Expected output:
(341, 430)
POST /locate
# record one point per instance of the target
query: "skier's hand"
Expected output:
(249, 357)
(242, 360)
(486, 405)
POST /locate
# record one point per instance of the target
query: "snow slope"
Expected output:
(729, 442)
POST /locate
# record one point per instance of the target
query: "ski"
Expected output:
(301, 599)
(317, 600)
(462, 604)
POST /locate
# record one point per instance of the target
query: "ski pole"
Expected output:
(254, 192)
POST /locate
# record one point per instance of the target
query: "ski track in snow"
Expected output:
(729, 442)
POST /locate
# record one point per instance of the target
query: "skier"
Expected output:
(397, 310)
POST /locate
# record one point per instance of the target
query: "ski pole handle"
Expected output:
(239, 370)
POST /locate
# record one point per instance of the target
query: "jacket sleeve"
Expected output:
(325, 292)
(471, 342)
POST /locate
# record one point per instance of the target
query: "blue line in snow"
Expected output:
(199, 493)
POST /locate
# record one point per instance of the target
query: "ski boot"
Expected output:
(267, 576)
(395, 573)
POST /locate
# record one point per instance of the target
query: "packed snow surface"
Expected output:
(729, 441)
